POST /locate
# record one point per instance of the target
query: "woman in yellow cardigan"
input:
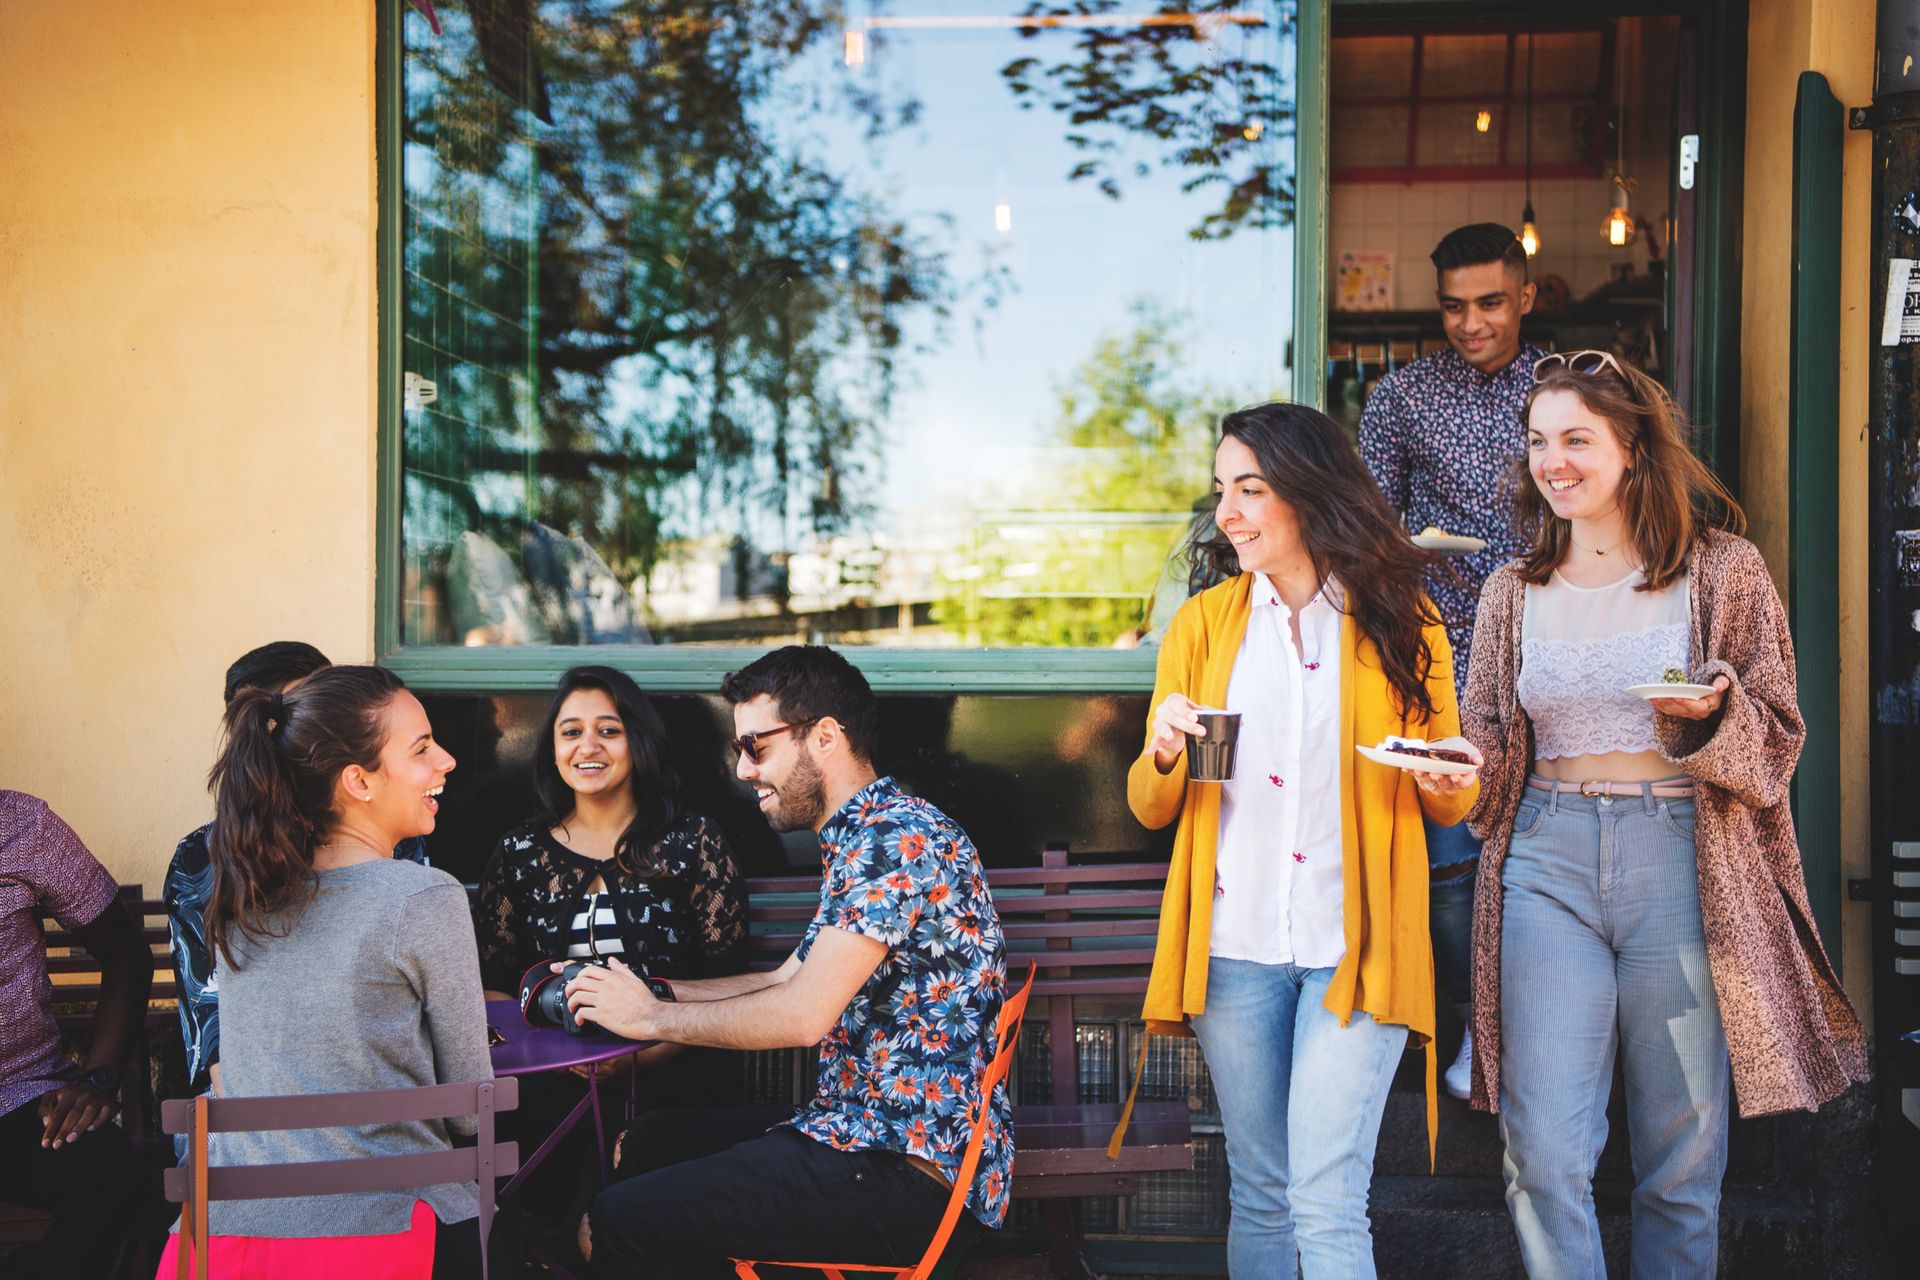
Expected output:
(1293, 937)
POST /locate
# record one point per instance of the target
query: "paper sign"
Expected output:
(1900, 321)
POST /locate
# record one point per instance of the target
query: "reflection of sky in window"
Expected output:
(972, 418)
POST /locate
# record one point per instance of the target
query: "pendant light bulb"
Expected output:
(1529, 233)
(1620, 228)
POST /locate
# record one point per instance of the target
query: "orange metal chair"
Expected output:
(1007, 1035)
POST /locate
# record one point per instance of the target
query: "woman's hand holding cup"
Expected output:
(1173, 720)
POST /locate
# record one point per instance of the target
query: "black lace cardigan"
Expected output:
(687, 921)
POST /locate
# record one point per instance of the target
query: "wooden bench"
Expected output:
(1090, 928)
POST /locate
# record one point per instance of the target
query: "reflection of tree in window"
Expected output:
(1076, 562)
(664, 268)
(1198, 77)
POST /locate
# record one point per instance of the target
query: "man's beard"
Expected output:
(802, 800)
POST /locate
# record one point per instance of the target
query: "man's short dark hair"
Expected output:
(273, 666)
(1480, 243)
(809, 682)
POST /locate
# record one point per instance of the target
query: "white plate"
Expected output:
(1394, 760)
(1449, 544)
(1651, 691)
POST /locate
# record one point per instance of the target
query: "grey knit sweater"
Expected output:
(374, 985)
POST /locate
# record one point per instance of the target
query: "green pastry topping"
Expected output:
(1673, 675)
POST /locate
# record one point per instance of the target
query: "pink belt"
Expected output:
(1668, 787)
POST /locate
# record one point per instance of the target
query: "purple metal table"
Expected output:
(534, 1050)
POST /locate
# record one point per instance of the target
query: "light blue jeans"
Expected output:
(1301, 1099)
(1602, 952)
(1450, 911)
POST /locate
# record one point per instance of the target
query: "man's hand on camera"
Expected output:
(614, 998)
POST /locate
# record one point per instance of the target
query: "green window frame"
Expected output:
(698, 669)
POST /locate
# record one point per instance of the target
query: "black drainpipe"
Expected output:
(1893, 665)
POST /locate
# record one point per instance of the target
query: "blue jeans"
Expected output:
(1301, 1099)
(1450, 910)
(1602, 952)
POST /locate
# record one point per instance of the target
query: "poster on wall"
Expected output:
(1363, 280)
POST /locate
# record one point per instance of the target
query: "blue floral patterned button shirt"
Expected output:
(1441, 439)
(901, 1069)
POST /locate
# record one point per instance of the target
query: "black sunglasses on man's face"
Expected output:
(748, 744)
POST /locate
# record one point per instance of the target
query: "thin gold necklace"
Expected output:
(1594, 551)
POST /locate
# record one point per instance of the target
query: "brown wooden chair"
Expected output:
(195, 1185)
(1007, 1035)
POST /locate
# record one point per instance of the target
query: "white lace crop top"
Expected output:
(1580, 647)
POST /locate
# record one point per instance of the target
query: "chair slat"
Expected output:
(339, 1177)
(338, 1110)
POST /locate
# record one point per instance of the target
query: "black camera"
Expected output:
(543, 995)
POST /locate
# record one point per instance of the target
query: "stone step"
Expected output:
(1438, 1227)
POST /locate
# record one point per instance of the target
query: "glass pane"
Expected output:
(900, 324)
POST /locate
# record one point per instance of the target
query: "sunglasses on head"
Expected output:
(748, 744)
(1587, 362)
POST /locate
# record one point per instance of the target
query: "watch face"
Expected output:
(105, 1079)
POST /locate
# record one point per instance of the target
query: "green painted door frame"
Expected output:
(1813, 498)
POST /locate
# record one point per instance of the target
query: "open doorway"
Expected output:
(1588, 124)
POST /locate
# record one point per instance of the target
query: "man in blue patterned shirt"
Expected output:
(189, 882)
(1441, 437)
(899, 980)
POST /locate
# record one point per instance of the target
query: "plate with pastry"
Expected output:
(1414, 753)
(1433, 538)
(1672, 683)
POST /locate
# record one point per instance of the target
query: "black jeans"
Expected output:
(699, 1185)
(89, 1186)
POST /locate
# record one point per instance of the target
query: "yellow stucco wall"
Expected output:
(186, 384)
(1835, 38)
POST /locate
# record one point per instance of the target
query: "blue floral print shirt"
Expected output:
(1442, 439)
(901, 1069)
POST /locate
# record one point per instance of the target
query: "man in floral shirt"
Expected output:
(899, 981)
(1441, 437)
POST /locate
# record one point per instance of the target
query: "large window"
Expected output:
(909, 324)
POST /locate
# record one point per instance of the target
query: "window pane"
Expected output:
(908, 324)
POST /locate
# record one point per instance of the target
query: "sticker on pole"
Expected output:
(1900, 322)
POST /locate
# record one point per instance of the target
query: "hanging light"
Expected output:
(1529, 233)
(1619, 230)
(855, 50)
(1483, 122)
(1003, 216)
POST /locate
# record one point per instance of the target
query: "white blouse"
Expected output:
(1580, 647)
(1278, 878)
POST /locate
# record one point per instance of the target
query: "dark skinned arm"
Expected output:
(126, 977)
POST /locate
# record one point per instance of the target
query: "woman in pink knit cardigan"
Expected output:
(1640, 892)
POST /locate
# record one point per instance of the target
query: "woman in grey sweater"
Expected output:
(341, 969)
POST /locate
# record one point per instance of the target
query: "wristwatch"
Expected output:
(105, 1079)
(661, 988)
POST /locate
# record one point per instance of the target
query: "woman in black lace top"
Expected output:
(613, 865)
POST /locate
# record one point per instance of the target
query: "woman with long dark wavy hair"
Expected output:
(341, 969)
(1640, 894)
(1293, 935)
(613, 866)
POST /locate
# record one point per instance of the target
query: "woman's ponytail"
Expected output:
(280, 757)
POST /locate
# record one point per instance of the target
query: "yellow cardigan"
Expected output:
(1387, 971)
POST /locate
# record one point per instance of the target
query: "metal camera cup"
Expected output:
(1210, 759)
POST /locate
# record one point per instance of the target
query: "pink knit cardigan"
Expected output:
(1794, 1039)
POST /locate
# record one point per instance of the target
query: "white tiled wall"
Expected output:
(1409, 220)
